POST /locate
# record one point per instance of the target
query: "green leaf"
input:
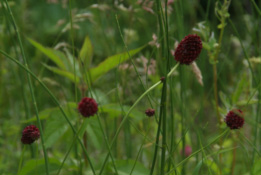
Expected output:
(239, 89)
(197, 168)
(112, 62)
(247, 102)
(95, 134)
(257, 167)
(86, 52)
(114, 110)
(63, 73)
(50, 53)
(57, 125)
(37, 166)
(42, 115)
(124, 167)
(225, 100)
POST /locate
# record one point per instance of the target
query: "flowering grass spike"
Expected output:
(188, 49)
(30, 134)
(234, 119)
(87, 107)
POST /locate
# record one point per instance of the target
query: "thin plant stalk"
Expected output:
(156, 147)
(74, 71)
(215, 80)
(100, 124)
(135, 68)
(140, 150)
(21, 159)
(129, 111)
(199, 150)
(30, 87)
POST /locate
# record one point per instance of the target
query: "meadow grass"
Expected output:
(120, 53)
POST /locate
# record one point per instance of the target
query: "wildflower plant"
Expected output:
(123, 137)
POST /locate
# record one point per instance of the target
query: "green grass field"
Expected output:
(121, 53)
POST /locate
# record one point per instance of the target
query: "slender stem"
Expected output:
(156, 147)
(215, 81)
(257, 9)
(141, 147)
(73, 52)
(30, 86)
(126, 47)
(127, 115)
(198, 151)
(54, 99)
(21, 159)
(234, 159)
(163, 108)
(107, 144)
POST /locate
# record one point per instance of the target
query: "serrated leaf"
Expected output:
(112, 62)
(63, 73)
(50, 53)
(86, 52)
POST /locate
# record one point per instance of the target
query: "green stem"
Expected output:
(164, 125)
(30, 87)
(156, 147)
(136, 71)
(21, 159)
(73, 53)
(127, 115)
(257, 9)
(198, 151)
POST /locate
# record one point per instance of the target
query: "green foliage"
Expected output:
(36, 166)
(98, 65)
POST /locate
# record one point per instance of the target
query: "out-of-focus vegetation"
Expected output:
(98, 51)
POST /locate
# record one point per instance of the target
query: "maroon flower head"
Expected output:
(188, 49)
(234, 119)
(87, 107)
(30, 134)
(150, 112)
(162, 79)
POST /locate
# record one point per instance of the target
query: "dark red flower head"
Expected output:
(87, 107)
(188, 49)
(150, 112)
(234, 119)
(30, 134)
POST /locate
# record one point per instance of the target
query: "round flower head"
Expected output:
(30, 134)
(150, 112)
(187, 152)
(188, 49)
(234, 119)
(87, 107)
